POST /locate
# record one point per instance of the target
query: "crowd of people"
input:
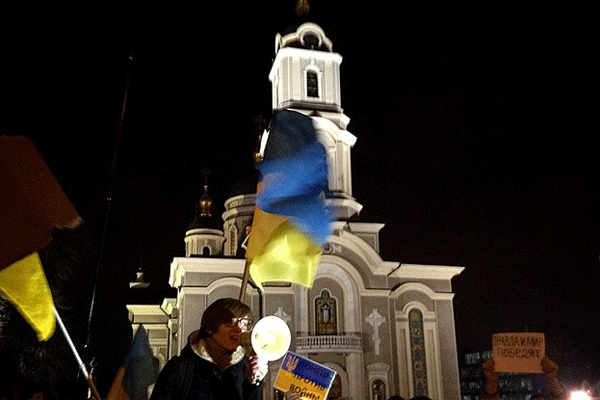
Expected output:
(549, 368)
(212, 366)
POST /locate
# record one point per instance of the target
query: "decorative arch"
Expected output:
(378, 380)
(343, 376)
(365, 257)
(326, 313)
(327, 127)
(331, 264)
(417, 287)
(327, 139)
(418, 349)
(337, 143)
(351, 284)
(218, 283)
(350, 290)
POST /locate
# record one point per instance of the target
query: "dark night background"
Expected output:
(475, 146)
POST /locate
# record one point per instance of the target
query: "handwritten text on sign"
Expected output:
(519, 351)
(304, 377)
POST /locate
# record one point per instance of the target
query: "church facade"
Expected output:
(386, 328)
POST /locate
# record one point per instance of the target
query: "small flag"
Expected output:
(139, 371)
(31, 205)
(24, 284)
(291, 223)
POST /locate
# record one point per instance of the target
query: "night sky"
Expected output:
(474, 121)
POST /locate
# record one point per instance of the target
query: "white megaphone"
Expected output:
(270, 338)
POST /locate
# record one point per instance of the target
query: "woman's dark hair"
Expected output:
(222, 311)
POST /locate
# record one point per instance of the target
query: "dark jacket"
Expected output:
(205, 380)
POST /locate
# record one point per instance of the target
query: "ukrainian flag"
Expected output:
(291, 223)
(138, 372)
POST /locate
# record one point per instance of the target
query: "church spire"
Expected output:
(204, 236)
(205, 200)
(204, 217)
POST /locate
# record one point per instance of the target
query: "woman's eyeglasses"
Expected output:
(243, 323)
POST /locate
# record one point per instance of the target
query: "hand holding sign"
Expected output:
(302, 378)
(492, 377)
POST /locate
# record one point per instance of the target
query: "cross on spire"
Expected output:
(302, 8)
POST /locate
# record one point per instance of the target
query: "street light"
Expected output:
(579, 395)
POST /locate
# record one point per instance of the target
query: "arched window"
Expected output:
(312, 83)
(335, 393)
(243, 240)
(417, 350)
(378, 389)
(233, 232)
(325, 314)
(206, 251)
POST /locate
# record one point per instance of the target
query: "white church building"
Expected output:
(387, 328)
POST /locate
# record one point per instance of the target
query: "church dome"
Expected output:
(200, 222)
(204, 218)
(306, 36)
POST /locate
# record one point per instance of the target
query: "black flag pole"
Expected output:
(110, 196)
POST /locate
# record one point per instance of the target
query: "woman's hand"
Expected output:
(257, 369)
(291, 396)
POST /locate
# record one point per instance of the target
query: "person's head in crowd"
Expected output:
(23, 376)
(224, 321)
(30, 369)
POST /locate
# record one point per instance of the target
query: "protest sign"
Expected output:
(519, 351)
(304, 377)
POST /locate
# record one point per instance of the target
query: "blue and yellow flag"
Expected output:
(291, 223)
(138, 372)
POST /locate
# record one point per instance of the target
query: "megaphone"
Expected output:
(270, 338)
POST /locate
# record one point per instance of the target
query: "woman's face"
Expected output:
(229, 334)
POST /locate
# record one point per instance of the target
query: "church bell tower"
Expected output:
(305, 77)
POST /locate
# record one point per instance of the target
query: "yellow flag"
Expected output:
(24, 284)
(263, 226)
(289, 256)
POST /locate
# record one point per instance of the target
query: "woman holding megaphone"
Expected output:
(213, 365)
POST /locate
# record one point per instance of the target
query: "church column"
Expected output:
(356, 379)
(447, 344)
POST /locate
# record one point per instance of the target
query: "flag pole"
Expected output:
(245, 281)
(109, 198)
(86, 375)
(259, 124)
